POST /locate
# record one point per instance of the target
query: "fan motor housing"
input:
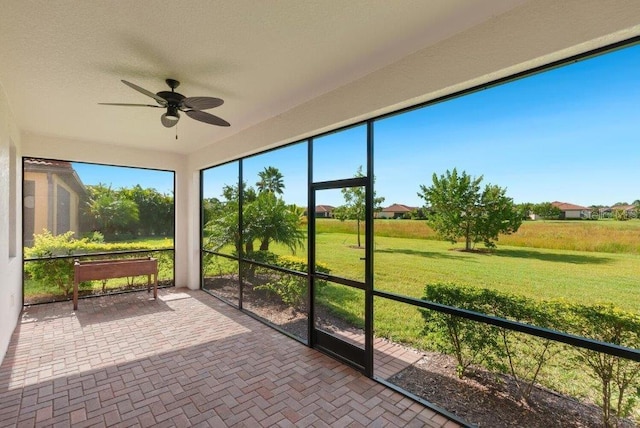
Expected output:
(173, 98)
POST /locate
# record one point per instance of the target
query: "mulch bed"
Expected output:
(487, 399)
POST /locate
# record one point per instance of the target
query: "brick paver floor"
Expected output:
(186, 359)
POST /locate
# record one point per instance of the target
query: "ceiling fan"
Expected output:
(176, 103)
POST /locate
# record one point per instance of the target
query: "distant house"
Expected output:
(395, 211)
(324, 211)
(572, 211)
(629, 210)
(52, 194)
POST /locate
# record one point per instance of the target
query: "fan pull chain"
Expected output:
(176, 131)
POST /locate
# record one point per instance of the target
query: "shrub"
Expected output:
(54, 271)
(523, 356)
(59, 271)
(620, 215)
(471, 342)
(619, 378)
(291, 289)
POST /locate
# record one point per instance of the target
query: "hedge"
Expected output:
(474, 343)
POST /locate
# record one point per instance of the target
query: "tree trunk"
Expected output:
(358, 226)
(264, 244)
(467, 237)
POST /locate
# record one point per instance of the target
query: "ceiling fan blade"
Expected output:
(130, 105)
(202, 103)
(158, 98)
(168, 123)
(207, 118)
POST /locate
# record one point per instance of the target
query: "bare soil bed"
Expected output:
(482, 398)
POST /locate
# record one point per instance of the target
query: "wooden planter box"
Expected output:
(107, 269)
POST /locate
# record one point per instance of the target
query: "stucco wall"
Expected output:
(10, 215)
(41, 202)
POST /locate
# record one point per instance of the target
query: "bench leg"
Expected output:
(75, 295)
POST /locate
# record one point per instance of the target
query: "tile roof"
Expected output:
(324, 208)
(398, 208)
(566, 206)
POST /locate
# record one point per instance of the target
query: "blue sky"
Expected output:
(118, 177)
(571, 134)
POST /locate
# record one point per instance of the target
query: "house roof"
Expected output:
(324, 208)
(63, 169)
(398, 208)
(32, 164)
(566, 206)
(624, 207)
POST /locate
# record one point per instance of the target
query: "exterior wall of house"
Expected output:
(576, 214)
(41, 201)
(572, 214)
(10, 231)
(384, 214)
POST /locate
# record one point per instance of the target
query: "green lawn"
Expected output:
(405, 266)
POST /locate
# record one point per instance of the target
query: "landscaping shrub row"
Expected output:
(59, 271)
(524, 357)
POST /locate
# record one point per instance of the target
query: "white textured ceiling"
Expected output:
(285, 68)
(59, 59)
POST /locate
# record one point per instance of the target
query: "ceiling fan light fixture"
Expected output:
(172, 113)
(174, 103)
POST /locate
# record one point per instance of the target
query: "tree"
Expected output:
(547, 211)
(111, 213)
(265, 217)
(154, 207)
(460, 209)
(270, 181)
(525, 209)
(268, 219)
(355, 203)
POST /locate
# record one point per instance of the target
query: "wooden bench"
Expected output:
(107, 269)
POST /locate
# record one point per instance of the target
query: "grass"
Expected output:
(609, 236)
(405, 265)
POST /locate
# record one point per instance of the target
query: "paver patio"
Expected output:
(186, 359)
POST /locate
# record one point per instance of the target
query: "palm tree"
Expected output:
(270, 181)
